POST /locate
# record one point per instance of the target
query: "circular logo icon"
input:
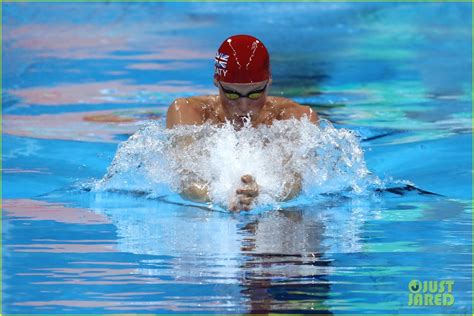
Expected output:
(414, 286)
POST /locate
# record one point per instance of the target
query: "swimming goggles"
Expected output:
(234, 95)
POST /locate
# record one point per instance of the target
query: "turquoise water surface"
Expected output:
(79, 79)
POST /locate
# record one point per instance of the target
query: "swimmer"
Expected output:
(242, 75)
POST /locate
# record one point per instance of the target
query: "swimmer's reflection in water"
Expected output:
(285, 268)
(242, 75)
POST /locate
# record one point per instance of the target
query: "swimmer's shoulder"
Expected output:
(288, 109)
(190, 110)
(183, 111)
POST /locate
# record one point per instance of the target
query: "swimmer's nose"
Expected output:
(244, 105)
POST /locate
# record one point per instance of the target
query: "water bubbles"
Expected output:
(156, 160)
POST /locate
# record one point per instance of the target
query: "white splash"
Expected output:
(329, 160)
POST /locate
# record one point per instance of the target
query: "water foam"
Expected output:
(153, 160)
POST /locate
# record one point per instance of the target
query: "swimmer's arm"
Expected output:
(183, 111)
(193, 188)
(292, 188)
(196, 191)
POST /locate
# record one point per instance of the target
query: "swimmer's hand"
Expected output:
(245, 195)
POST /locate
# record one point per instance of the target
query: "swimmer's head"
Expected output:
(242, 59)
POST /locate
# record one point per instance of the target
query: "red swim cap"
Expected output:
(242, 59)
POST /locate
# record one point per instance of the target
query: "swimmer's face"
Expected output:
(243, 100)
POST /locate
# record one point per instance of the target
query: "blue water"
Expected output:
(78, 79)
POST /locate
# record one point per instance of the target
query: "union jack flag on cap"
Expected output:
(221, 60)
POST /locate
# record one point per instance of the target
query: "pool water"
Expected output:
(79, 79)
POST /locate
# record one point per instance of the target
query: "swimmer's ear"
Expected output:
(269, 81)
